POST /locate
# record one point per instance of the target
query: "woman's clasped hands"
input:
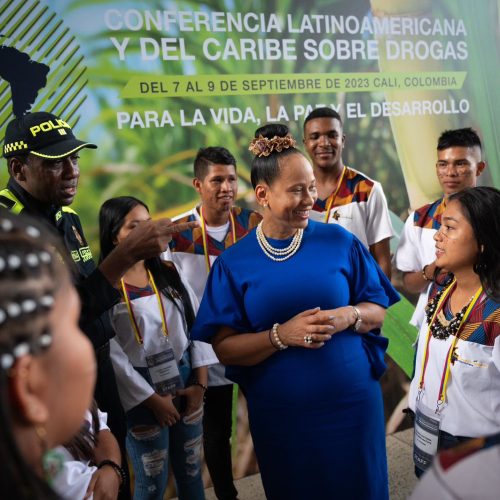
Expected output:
(313, 327)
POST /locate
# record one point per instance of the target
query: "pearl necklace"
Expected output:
(279, 254)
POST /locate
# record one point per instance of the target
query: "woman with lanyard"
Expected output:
(293, 310)
(455, 392)
(161, 374)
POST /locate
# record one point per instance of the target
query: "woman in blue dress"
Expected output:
(294, 311)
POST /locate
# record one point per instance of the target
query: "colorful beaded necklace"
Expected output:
(440, 327)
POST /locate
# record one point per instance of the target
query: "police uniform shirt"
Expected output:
(96, 293)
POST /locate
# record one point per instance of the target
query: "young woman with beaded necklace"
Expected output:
(293, 310)
(457, 368)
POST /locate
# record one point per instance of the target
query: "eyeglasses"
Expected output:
(460, 167)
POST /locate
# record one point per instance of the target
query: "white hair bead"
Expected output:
(47, 301)
(32, 259)
(21, 350)
(6, 225)
(45, 340)
(32, 231)
(13, 309)
(6, 361)
(14, 262)
(28, 305)
(45, 256)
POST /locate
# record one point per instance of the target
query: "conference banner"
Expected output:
(150, 82)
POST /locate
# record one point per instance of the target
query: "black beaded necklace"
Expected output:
(437, 328)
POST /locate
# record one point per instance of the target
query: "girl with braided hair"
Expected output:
(47, 370)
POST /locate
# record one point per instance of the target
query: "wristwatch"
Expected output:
(357, 323)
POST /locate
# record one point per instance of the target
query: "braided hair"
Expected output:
(31, 274)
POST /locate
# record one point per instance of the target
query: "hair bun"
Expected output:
(262, 146)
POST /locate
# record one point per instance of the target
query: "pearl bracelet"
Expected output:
(271, 339)
(277, 340)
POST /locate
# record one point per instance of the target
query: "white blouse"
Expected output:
(472, 408)
(127, 353)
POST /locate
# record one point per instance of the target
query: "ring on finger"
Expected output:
(308, 339)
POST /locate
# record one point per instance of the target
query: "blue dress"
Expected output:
(316, 416)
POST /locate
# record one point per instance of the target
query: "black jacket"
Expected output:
(96, 293)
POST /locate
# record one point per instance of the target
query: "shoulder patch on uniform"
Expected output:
(6, 202)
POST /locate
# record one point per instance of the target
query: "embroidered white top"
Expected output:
(415, 250)
(193, 268)
(126, 352)
(472, 407)
(360, 207)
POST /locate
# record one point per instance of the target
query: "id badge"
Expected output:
(425, 436)
(163, 370)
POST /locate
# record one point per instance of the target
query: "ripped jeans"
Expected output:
(151, 449)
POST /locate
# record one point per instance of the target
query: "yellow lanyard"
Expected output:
(204, 236)
(334, 195)
(447, 367)
(133, 320)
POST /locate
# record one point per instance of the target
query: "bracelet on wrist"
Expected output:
(271, 340)
(424, 274)
(199, 384)
(276, 337)
(119, 470)
(358, 320)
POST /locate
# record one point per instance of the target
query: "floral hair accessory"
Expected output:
(262, 146)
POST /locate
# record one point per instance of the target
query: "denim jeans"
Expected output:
(151, 448)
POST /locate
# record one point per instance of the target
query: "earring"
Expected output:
(479, 267)
(52, 460)
(41, 434)
(265, 205)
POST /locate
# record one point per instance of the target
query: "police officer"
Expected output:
(42, 160)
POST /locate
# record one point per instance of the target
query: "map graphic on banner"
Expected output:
(25, 77)
(151, 82)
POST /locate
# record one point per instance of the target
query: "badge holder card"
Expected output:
(160, 359)
(425, 436)
(163, 370)
(428, 422)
